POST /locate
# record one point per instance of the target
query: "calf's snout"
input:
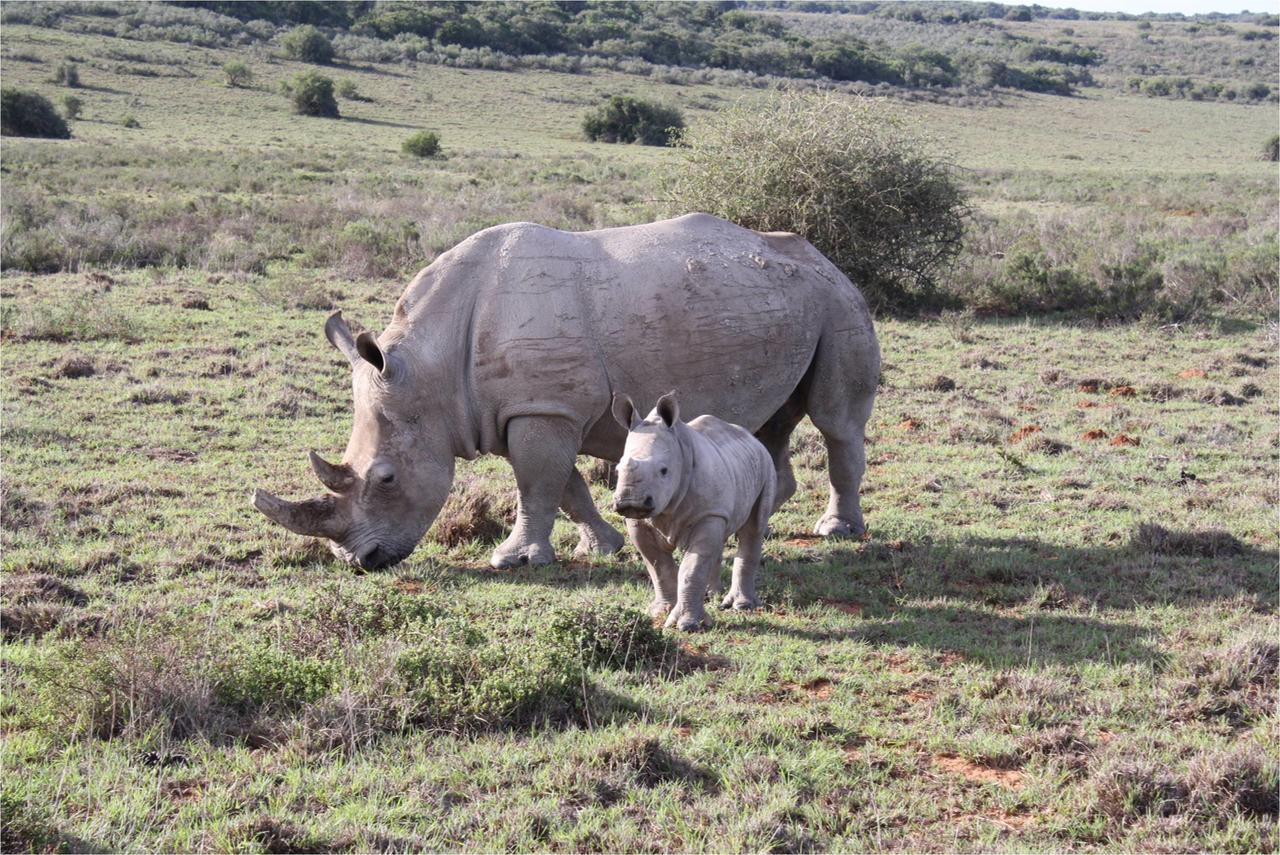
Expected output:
(634, 506)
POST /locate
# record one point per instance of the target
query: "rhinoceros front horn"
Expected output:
(321, 517)
(339, 479)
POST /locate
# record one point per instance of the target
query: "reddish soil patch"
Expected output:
(1023, 432)
(951, 657)
(1125, 439)
(683, 731)
(1088, 386)
(976, 772)
(849, 608)
(899, 662)
(895, 545)
(1123, 392)
(802, 540)
(1086, 405)
(1184, 212)
(1191, 373)
(1093, 435)
(910, 424)
(918, 696)
(819, 689)
(407, 586)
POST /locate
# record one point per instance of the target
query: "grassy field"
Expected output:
(1060, 633)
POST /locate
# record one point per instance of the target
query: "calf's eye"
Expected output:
(663, 470)
(387, 479)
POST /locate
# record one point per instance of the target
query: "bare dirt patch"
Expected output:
(1093, 435)
(1125, 439)
(1191, 373)
(910, 424)
(1023, 432)
(977, 773)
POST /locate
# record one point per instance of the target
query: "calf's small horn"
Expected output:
(315, 517)
(339, 478)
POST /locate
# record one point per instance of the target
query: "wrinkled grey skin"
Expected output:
(513, 342)
(687, 486)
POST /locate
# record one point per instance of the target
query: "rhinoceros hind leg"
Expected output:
(844, 433)
(775, 436)
(542, 451)
(594, 534)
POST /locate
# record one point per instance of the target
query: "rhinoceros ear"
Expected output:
(367, 347)
(624, 411)
(668, 409)
(339, 335)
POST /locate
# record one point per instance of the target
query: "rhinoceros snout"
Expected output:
(378, 558)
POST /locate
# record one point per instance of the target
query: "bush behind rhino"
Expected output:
(844, 173)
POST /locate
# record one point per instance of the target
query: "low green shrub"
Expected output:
(307, 44)
(623, 119)
(455, 676)
(844, 173)
(422, 144)
(71, 106)
(312, 95)
(130, 122)
(67, 74)
(237, 73)
(606, 635)
(261, 675)
(26, 114)
(347, 89)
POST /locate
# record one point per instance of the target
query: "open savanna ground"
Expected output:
(1059, 634)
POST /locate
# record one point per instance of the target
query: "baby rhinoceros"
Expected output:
(688, 486)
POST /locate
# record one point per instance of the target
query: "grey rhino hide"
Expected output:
(513, 342)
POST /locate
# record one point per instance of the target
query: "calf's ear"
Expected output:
(624, 412)
(668, 409)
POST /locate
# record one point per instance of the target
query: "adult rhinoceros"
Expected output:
(513, 342)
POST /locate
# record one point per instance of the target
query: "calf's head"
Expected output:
(652, 464)
(397, 469)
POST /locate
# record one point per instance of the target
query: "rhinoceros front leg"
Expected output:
(542, 451)
(594, 534)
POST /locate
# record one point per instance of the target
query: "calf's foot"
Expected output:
(516, 551)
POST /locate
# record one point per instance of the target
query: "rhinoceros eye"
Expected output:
(388, 478)
(662, 471)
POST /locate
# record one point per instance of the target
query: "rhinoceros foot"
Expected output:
(833, 526)
(687, 619)
(604, 541)
(734, 600)
(659, 609)
(515, 553)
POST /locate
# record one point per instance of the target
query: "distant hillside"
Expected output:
(946, 50)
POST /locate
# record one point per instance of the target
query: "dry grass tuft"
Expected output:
(474, 515)
(602, 472)
(1211, 543)
(1127, 788)
(73, 367)
(35, 604)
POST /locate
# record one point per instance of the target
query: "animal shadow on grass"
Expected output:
(384, 123)
(940, 594)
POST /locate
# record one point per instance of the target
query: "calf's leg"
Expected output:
(542, 451)
(702, 557)
(662, 566)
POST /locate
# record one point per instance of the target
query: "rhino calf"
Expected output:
(687, 486)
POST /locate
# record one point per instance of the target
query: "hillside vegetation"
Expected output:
(1059, 634)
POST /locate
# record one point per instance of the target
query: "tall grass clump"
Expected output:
(312, 95)
(623, 119)
(26, 114)
(1271, 151)
(844, 173)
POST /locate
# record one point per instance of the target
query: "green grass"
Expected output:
(1046, 643)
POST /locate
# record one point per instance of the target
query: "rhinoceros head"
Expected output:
(652, 464)
(395, 474)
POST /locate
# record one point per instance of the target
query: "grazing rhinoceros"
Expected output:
(688, 486)
(513, 342)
